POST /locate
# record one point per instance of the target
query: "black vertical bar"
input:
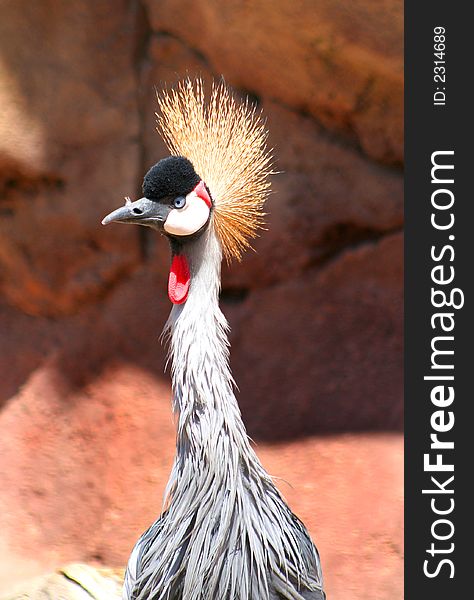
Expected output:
(437, 123)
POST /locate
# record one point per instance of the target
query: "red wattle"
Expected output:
(179, 279)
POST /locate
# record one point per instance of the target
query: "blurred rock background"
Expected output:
(86, 433)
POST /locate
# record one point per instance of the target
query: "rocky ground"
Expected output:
(71, 582)
(86, 434)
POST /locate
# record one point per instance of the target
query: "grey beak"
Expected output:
(140, 212)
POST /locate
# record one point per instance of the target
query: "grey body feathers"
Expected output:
(225, 533)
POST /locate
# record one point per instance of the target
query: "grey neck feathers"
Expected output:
(225, 532)
(203, 394)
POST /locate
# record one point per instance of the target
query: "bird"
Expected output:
(225, 532)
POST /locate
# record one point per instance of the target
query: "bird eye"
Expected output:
(179, 202)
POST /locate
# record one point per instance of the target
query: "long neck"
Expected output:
(203, 393)
(223, 516)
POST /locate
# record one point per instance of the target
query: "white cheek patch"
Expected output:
(190, 218)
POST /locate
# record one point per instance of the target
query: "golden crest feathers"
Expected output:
(226, 142)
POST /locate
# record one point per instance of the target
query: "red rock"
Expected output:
(325, 197)
(341, 62)
(68, 152)
(339, 331)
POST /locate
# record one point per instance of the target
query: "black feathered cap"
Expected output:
(172, 176)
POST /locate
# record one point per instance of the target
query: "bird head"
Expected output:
(225, 142)
(175, 201)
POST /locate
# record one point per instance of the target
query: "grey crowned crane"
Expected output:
(225, 532)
